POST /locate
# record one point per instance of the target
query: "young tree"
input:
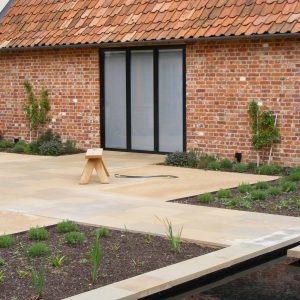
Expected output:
(263, 126)
(36, 111)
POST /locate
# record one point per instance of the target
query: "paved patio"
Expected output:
(48, 187)
(43, 190)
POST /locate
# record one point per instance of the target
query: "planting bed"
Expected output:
(124, 255)
(284, 203)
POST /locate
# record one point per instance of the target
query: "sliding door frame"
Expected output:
(127, 50)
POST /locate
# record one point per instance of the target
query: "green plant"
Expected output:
(52, 148)
(251, 166)
(225, 164)
(258, 195)
(95, 257)
(115, 247)
(204, 160)
(239, 168)
(35, 111)
(74, 238)
(148, 238)
(274, 191)
(245, 204)
(2, 262)
(66, 226)
(2, 276)
(137, 263)
(175, 239)
(213, 165)
(205, 198)
(37, 250)
(269, 170)
(223, 194)
(182, 159)
(263, 126)
(287, 186)
(56, 261)
(262, 185)
(284, 204)
(231, 202)
(297, 203)
(69, 147)
(101, 232)
(294, 176)
(6, 241)
(22, 273)
(83, 261)
(6, 144)
(244, 188)
(21, 147)
(38, 278)
(37, 234)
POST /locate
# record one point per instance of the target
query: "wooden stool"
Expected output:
(95, 161)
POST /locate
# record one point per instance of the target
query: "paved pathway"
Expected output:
(48, 187)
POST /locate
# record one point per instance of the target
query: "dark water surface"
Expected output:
(278, 279)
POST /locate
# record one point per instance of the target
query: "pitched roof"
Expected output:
(30, 23)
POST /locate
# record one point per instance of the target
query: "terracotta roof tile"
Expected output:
(30, 23)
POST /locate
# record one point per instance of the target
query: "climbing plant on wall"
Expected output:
(263, 126)
(36, 111)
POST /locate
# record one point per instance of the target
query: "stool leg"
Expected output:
(100, 169)
(105, 169)
(87, 172)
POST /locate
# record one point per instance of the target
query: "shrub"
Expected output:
(2, 262)
(261, 185)
(258, 195)
(21, 147)
(297, 203)
(274, 191)
(287, 186)
(38, 278)
(205, 198)
(6, 144)
(6, 241)
(34, 147)
(95, 257)
(52, 148)
(244, 188)
(37, 250)
(101, 232)
(239, 168)
(47, 136)
(69, 147)
(269, 170)
(231, 202)
(294, 176)
(74, 238)
(66, 226)
(223, 194)
(213, 165)
(245, 204)
(37, 234)
(204, 160)
(225, 164)
(251, 166)
(182, 159)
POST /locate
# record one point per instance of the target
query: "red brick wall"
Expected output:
(68, 74)
(217, 99)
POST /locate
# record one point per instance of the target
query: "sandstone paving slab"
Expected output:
(294, 252)
(12, 222)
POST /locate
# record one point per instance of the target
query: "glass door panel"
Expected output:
(170, 100)
(115, 99)
(142, 100)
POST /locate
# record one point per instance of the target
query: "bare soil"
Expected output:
(124, 255)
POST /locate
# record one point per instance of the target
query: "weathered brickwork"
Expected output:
(72, 79)
(224, 76)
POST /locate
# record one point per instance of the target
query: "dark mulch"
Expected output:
(124, 255)
(283, 204)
